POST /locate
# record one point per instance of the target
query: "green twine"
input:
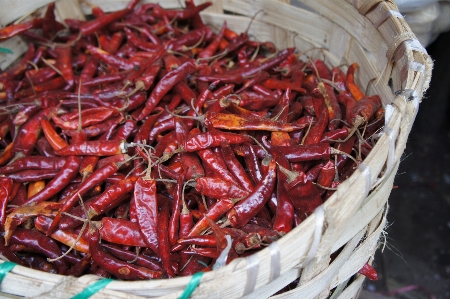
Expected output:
(5, 267)
(92, 289)
(192, 285)
(6, 50)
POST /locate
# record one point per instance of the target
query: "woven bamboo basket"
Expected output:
(369, 32)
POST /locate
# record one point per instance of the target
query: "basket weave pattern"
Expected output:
(369, 32)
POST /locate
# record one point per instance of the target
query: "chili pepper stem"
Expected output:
(338, 152)
(138, 249)
(306, 134)
(358, 122)
(85, 223)
(323, 187)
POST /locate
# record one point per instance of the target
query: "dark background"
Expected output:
(417, 251)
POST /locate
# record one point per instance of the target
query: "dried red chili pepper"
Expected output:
(113, 265)
(247, 208)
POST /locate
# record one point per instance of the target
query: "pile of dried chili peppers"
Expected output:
(134, 143)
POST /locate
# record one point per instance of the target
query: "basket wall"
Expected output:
(371, 33)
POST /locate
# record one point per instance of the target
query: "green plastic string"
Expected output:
(192, 285)
(92, 289)
(5, 268)
(6, 50)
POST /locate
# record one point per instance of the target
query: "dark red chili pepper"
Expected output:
(113, 60)
(96, 178)
(165, 84)
(332, 104)
(218, 188)
(106, 19)
(141, 260)
(298, 153)
(111, 196)
(44, 74)
(64, 64)
(247, 208)
(163, 239)
(214, 213)
(214, 163)
(94, 148)
(206, 240)
(139, 43)
(213, 139)
(61, 180)
(113, 265)
(315, 134)
(121, 231)
(327, 174)
(40, 243)
(53, 84)
(253, 164)
(335, 135)
(235, 167)
(105, 79)
(364, 109)
(34, 162)
(272, 83)
(144, 198)
(320, 69)
(212, 47)
(32, 175)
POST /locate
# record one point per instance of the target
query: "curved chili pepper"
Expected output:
(93, 180)
(247, 208)
(212, 47)
(141, 260)
(165, 84)
(61, 180)
(113, 265)
(40, 243)
(106, 19)
(68, 238)
(235, 167)
(352, 87)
